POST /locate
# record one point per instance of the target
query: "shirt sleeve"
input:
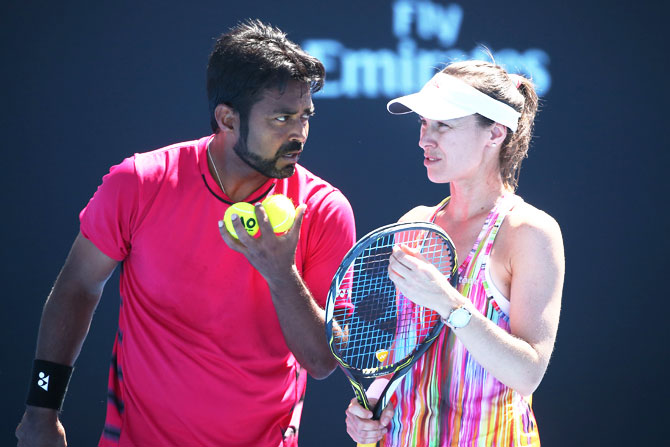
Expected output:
(107, 219)
(332, 234)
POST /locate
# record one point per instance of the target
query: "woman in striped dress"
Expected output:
(474, 385)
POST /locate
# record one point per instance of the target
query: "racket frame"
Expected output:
(355, 375)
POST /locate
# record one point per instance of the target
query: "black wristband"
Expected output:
(48, 384)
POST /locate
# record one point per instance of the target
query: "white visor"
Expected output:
(446, 97)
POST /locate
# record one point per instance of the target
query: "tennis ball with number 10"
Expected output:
(279, 208)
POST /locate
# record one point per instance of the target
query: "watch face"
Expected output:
(459, 317)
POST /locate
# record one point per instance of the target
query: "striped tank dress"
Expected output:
(448, 399)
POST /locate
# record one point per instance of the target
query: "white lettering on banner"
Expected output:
(368, 73)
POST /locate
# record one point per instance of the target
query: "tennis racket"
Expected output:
(373, 330)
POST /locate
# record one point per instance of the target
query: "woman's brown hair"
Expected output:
(514, 90)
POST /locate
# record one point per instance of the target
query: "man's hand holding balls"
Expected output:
(273, 257)
(278, 207)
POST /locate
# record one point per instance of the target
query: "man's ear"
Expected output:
(227, 118)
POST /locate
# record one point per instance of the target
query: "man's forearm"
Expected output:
(302, 323)
(65, 322)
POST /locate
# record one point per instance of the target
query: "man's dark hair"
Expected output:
(251, 58)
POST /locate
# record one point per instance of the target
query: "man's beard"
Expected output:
(268, 166)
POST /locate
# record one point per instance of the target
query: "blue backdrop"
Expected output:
(85, 84)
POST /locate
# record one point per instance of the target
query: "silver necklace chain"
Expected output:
(216, 171)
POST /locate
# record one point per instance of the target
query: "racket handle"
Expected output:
(363, 400)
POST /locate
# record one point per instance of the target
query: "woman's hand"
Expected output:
(421, 282)
(360, 425)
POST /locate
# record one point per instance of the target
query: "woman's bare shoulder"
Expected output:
(528, 224)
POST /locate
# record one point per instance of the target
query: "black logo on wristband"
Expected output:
(48, 384)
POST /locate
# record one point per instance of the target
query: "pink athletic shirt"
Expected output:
(199, 358)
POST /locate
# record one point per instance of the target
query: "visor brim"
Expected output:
(428, 107)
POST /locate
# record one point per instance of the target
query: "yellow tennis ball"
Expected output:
(247, 216)
(280, 211)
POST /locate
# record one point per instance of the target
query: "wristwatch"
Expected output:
(458, 318)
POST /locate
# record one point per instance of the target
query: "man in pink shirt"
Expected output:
(230, 327)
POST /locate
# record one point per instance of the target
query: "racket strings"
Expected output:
(381, 327)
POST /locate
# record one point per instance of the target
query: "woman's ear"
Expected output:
(498, 134)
